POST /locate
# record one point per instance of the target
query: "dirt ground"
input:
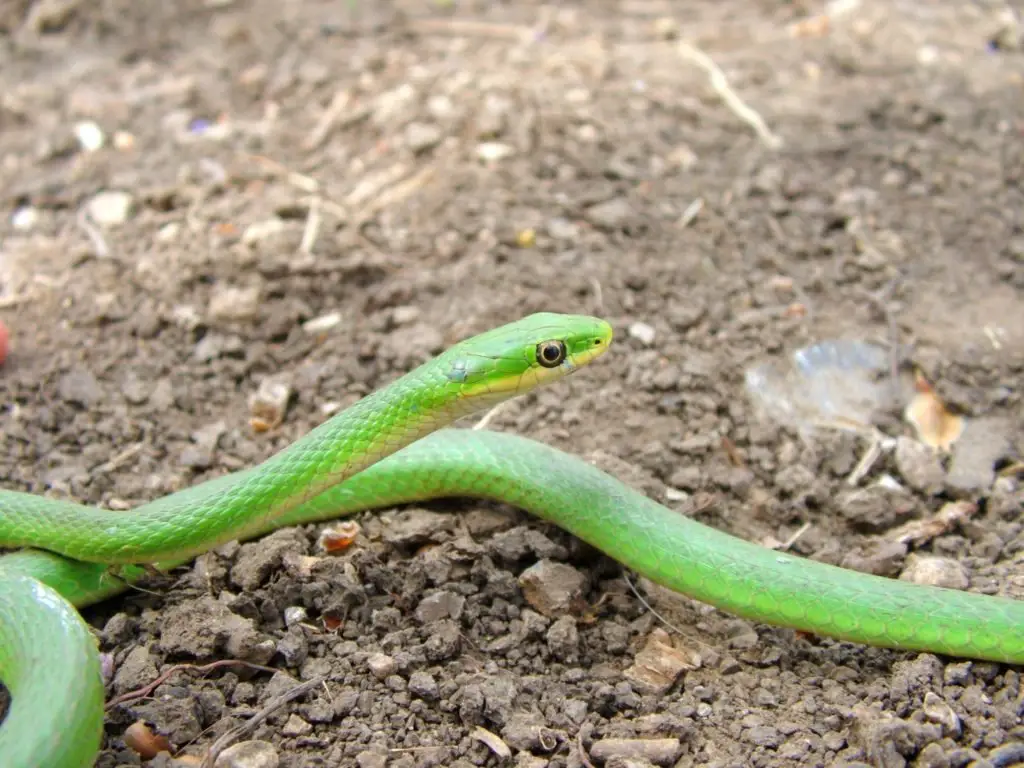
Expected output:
(332, 192)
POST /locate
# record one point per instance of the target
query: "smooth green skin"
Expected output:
(48, 658)
(659, 543)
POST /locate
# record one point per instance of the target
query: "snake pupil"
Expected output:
(550, 353)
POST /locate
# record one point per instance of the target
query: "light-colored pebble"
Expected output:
(90, 136)
(642, 332)
(109, 209)
(323, 323)
(249, 754)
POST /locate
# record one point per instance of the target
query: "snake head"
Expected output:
(518, 357)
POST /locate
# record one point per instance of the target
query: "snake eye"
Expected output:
(550, 354)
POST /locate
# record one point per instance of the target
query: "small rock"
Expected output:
(886, 739)
(686, 478)
(938, 711)
(563, 638)
(25, 218)
(885, 558)
(415, 527)
(795, 479)
(408, 313)
(381, 665)
(233, 303)
(875, 509)
(249, 754)
(296, 726)
(137, 669)
(493, 151)
(108, 209)
(135, 389)
(79, 387)
(420, 137)
(257, 560)
(611, 214)
(371, 759)
(322, 324)
(562, 229)
(656, 751)
(642, 332)
(294, 614)
(919, 465)
(268, 405)
(423, 684)
(936, 571)
(214, 345)
(659, 664)
(982, 443)
(552, 588)
(440, 605)
(90, 135)
(526, 732)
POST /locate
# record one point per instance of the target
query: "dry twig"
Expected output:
(721, 85)
(252, 724)
(145, 690)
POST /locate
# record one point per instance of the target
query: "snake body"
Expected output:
(378, 453)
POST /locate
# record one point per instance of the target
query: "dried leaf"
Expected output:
(493, 742)
(933, 422)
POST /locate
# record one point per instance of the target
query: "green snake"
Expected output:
(386, 450)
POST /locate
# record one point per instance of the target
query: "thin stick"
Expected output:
(145, 690)
(654, 613)
(721, 85)
(490, 415)
(252, 724)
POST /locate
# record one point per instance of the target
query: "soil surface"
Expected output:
(202, 196)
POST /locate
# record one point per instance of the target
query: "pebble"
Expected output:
(420, 137)
(658, 665)
(552, 588)
(440, 605)
(90, 135)
(234, 303)
(919, 465)
(562, 229)
(322, 324)
(642, 332)
(405, 314)
(611, 214)
(493, 151)
(982, 443)
(381, 665)
(885, 558)
(936, 571)
(296, 726)
(25, 218)
(109, 209)
(656, 751)
(269, 403)
(79, 387)
(249, 754)
(938, 711)
(875, 509)
(563, 638)
(423, 684)
(415, 527)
